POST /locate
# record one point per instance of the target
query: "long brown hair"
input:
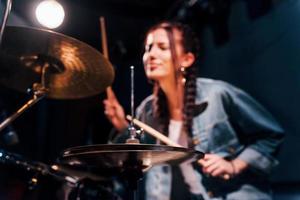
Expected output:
(190, 43)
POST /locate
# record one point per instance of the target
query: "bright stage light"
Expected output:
(50, 14)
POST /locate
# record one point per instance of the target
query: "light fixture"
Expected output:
(50, 14)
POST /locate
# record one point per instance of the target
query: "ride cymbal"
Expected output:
(72, 68)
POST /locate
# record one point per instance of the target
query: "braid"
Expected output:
(189, 99)
(161, 112)
(191, 44)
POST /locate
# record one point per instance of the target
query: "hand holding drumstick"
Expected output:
(114, 111)
(216, 166)
(212, 164)
(112, 108)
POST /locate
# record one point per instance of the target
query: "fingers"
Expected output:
(112, 108)
(218, 170)
(211, 169)
(115, 114)
(114, 111)
(226, 176)
(110, 94)
(109, 108)
(215, 166)
(210, 159)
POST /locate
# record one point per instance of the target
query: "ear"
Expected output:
(187, 60)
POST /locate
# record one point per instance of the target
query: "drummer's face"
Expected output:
(158, 58)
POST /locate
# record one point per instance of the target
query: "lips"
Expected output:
(152, 66)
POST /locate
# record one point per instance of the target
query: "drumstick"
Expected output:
(153, 132)
(103, 38)
(109, 92)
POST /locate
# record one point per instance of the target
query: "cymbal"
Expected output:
(74, 69)
(115, 159)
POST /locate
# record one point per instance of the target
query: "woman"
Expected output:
(238, 136)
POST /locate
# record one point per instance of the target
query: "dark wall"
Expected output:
(262, 56)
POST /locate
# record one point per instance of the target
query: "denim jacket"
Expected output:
(233, 125)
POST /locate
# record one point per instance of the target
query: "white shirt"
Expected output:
(187, 170)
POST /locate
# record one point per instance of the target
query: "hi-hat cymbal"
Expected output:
(117, 159)
(75, 69)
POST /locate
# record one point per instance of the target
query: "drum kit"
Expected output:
(60, 67)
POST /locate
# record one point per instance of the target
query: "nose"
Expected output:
(152, 52)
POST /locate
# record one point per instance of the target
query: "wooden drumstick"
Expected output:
(153, 132)
(109, 91)
(104, 38)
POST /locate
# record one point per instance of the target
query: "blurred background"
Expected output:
(253, 44)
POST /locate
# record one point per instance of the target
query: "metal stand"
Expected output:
(38, 93)
(133, 173)
(132, 130)
(5, 17)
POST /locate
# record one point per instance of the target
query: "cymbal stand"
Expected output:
(5, 17)
(133, 172)
(132, 130)
(39, 91)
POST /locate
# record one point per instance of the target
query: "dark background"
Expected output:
(253, 44)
